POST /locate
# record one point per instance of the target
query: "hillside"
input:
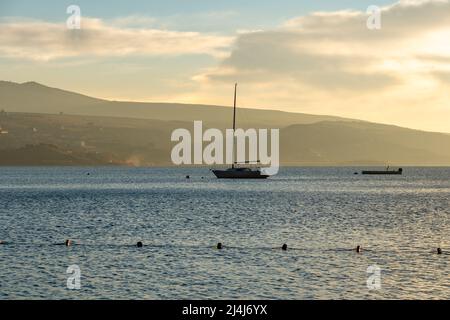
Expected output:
(32, 97)
(46, 154)
(82, 140)
(358, 143)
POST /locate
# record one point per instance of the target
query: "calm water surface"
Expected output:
(320, 213)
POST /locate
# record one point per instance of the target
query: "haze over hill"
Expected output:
(94, 131)
(33, 97)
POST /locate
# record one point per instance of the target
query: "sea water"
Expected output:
(320, 213)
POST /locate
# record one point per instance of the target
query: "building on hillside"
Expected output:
(3, 131)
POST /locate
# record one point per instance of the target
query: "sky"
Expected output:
(315, 57)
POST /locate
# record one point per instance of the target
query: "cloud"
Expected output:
(442, 76)
(39, 40)
(269, 56)
(331, 63)
(321, 63)
(336, 50)
(135, 21)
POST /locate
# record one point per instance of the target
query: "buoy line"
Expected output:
(219, 246)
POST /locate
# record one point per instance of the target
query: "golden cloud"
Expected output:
(39, 40)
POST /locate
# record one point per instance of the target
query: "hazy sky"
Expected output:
(304, 56)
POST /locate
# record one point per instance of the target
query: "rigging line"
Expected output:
(242, 112)
(234, 126)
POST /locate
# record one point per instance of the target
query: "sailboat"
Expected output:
(236, 171)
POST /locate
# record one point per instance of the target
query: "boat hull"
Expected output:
(382, 172)
(229, 174)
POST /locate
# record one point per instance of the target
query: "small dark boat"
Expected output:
(240, 173)
(399, 171)
(236, 172)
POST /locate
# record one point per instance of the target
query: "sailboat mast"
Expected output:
(234, 121)
(234, 111)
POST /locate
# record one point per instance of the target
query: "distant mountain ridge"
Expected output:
(48, 126)
(32, 97)
(348, 143)
(84, 140)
